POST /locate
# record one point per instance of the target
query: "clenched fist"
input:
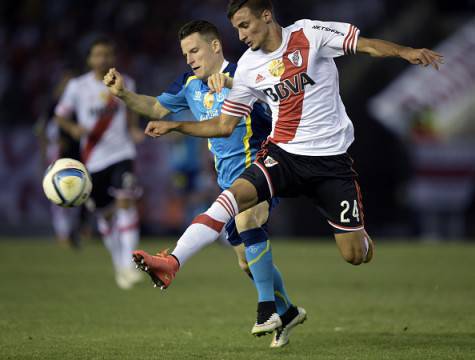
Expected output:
(115, 82)
(159, 128)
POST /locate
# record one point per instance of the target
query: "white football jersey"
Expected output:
(299, 82)
(103, 115)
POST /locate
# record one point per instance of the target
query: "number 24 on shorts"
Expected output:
(345, 204)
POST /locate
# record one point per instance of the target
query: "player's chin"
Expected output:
(201, 74)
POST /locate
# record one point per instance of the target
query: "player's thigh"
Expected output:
(253, 217)
(244, 192)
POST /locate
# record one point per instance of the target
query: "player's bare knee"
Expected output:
(351, 246)
(352, 256)
(245, 221)
(357, 259)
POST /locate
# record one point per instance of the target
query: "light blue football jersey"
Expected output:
(232, 154)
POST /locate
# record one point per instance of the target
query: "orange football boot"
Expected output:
(161, 267)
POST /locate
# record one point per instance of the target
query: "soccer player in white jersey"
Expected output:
(292, 70)
(106, 130)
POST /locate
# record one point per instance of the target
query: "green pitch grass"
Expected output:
(413, 302)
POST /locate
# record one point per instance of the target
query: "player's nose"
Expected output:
(242, 37)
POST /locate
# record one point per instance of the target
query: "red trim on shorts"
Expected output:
(360, 201)
(208, 221)
(345, 228)
(102, 124)
(267, 176)
(290, 108)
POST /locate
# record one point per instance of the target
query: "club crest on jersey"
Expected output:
(208, 101)
(269, 162)
(276, 67)
(296, 58)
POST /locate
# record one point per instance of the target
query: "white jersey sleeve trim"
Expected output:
(349, 43)
(235, 109)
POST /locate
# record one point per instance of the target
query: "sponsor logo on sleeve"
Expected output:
(324, 28)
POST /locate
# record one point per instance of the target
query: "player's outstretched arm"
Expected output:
(141, 104)
(382, 48)
(221, 126)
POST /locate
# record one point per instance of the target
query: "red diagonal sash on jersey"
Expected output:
(290, 108)
(102, 124)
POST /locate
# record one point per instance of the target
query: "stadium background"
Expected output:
(417, 178)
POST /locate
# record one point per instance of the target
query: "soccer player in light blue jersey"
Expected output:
(247, 233)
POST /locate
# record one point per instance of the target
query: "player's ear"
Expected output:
(216, 46)
(267, 16)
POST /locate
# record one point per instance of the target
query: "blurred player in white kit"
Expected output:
(107, 131)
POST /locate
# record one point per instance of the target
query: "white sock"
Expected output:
(128, 229)
(206, 227)
(110, 237)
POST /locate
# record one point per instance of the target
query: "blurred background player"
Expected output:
(55, 143)
(202, 49)
(107, 132)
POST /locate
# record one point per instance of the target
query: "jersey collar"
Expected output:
(224, 66)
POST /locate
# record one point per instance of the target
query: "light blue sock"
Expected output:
(259, 259)
(282, 300)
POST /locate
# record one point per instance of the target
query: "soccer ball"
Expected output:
(67, 183)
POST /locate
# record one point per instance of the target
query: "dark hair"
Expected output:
(202, 27)
(102, 40)
(256, 6)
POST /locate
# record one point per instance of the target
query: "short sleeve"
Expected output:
(174, 98)
(332, 39)
(67, 103)
(240, 99)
